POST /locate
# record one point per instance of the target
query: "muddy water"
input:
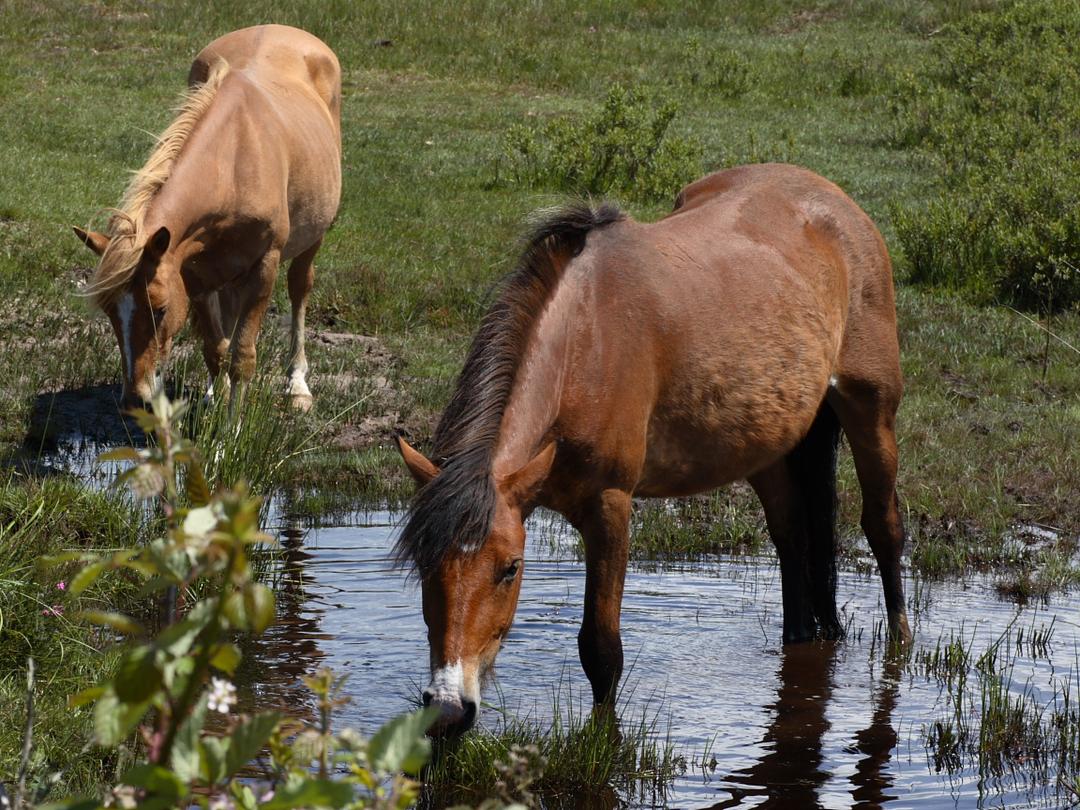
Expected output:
(811, 726)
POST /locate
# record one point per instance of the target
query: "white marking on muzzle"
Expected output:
(450, 689)
(125, 309)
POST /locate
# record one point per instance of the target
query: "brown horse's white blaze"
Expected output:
(248, 175)
(733, 339)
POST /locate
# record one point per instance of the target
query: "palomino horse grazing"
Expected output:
(246, 176)
(732, 339)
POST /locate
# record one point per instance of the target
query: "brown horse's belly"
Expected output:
(730, 437)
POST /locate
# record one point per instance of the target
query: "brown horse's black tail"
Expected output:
(813, 466)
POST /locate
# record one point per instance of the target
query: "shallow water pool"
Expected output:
(814, 725)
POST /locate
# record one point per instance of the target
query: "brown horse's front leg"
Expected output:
(605, 526)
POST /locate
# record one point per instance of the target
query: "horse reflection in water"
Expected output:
(294, 645)
(793, 771)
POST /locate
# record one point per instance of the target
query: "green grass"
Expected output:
(36, 620)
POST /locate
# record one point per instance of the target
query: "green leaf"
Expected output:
(184, 759)
(159, 782)
(138, 676)
(198, 491)
(178, 638)
(214, 750)
(119, 454)
(248, 739)
(401, 744)
(117, 621)
(310, 793)
(114, 720)
(85, 578)
(234, 610)
(85, 696)
(259, 607)
(226, 657)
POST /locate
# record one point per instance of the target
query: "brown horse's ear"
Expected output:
(97, 242)
(421, 467)
(522, 486)
(157, 244)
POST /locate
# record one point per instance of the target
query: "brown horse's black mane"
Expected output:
(455, 510)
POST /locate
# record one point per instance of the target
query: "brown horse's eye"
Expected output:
(511, 572)
(159, 315)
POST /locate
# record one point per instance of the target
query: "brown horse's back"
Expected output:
(723, 325)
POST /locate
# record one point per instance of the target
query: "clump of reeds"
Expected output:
(577, 755)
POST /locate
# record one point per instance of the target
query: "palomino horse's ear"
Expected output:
(97, 242)
(421, 467)
(522, 486)
(157, 244)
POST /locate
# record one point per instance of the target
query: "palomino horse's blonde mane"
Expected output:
(125, 229)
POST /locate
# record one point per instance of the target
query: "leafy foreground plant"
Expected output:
(170, 698)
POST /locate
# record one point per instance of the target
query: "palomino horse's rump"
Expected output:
(732, 339)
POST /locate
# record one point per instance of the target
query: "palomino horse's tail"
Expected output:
(813, 466)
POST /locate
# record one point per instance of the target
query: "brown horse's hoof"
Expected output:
(899, 632)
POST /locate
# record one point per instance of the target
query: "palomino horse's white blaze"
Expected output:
(125, 309)
(451, 688)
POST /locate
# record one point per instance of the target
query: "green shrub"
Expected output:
(722, 71)
(1000, 117)
(623, 147)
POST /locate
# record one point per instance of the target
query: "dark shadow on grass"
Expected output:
(66, 430)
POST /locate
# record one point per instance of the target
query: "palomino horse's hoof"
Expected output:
(302, 402)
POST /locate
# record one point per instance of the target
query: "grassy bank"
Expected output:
(37, 519)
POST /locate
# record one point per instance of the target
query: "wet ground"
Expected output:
(760, 726)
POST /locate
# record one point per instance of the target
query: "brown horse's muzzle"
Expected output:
(455, 691)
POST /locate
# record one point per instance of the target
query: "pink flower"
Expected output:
(55, 610)
(61, 586)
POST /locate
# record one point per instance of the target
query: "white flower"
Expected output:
(222, 696)
(122, 796)
(221, 803)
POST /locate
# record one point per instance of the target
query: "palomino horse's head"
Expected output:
(470, 586)
(146, 311)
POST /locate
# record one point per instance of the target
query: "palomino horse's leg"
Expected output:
(301, 279)
(214, 339)
(868, 417)
(785, 516)
(253, 297)
(605, 526)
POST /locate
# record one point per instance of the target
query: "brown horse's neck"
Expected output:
(533, 406)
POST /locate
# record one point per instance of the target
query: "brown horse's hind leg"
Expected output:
(867, 414)
(781, 499)
(301, 280)
(605, 526)
(813, 468)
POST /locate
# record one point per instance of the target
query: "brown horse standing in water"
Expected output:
(248, 175)
(732, 339)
